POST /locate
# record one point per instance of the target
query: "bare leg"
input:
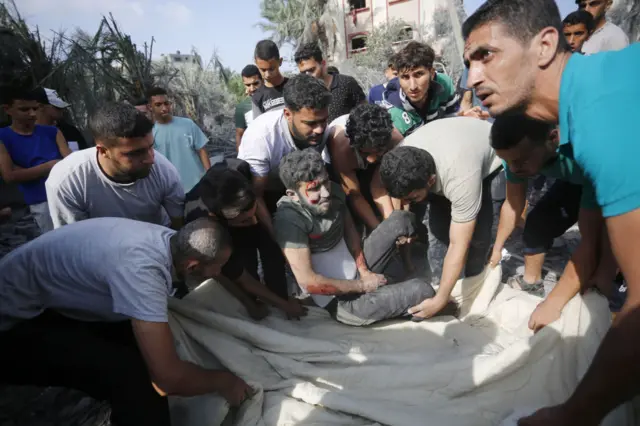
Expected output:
(533, 267)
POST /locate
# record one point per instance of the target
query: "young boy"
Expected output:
(28, 152)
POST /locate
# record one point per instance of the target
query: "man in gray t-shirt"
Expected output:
(322, 245)
(85, 307)
(121, 177)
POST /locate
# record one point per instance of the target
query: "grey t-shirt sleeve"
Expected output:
(65, 201)
(139, 289)
(465, 194)
(173, 190)
(254, 150)
(290, 229)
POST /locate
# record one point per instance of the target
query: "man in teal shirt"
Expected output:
(179, 139)
(519, 62)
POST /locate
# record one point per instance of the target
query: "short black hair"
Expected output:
(266, 50)
(414, 55)
(308, 51)
(20, 93)
(251, 71)
(580, 17)
(226, 193)
(332, 70)
(523, 19)
(301, 166)
(115, 120)
(511, 129)
(370, 127)
(405, 169)
(155, 91)
(304, 91)
(140, 102)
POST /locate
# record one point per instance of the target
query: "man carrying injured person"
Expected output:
(320, 241)
(450, 164)
(529, 147)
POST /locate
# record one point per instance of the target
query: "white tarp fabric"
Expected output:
(473, 370)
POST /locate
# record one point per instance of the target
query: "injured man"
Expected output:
(322, 245)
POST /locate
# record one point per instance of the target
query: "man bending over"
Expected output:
(451, 162)
(93, 314)
(319, 239)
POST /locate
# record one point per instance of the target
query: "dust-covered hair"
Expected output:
(301, 166)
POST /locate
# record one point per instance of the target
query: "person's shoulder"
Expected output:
(346, 80)
(76, 166)
(446, 82)
(263, 125)
(50, 131)
(288, 211)
(615, 31)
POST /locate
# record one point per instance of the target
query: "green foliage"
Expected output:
(236, 87)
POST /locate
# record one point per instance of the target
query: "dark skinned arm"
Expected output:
(11, 173)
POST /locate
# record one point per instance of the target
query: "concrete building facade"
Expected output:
(356, 19)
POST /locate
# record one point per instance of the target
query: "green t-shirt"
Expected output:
(243, 109)
(296, 227)
(443, 101)
(566, 169)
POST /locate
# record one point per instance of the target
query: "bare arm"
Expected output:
(262, 212)
(63, 146)
(614, 374)
(239, 133)
(352, 239)
(172, 376)
(11, 173)
(511, 211)
(300, 261)
(459, 240)
(251, 286)
(385, 203)
(204, 158)
(576, 274)
(344, 163)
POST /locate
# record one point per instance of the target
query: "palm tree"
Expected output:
(300, 21)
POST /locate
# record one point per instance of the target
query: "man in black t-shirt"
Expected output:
(346, 93)
(269, 96)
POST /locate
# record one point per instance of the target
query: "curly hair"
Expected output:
(414, 55)
(369, 127)
(405, 169)
(308, 51)
(301, 166)
(509, 130)
(304, 91)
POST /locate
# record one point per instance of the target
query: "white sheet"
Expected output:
(447, 372)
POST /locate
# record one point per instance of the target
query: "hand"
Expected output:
(544, 314)
(475, 112)
(496, 257)
(258, 311)
(404, 240)
(429, 307)
(234, 389)
(294, 309)
(370, 281)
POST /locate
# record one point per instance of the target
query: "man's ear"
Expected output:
(191, 265)
(432, 181)
(291, 193)
(554, 136)
(547, 44)
(288, 114)
(280, 62)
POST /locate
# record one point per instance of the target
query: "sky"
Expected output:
(227, 27)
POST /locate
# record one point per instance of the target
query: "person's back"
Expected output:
(84, 271)
(461, 150)
(606, 38)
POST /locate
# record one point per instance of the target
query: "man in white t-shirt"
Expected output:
(85, 307)
(121, 177)
(606, 35)
(451, 162)
(274, 134)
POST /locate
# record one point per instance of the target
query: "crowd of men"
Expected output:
(333, 184)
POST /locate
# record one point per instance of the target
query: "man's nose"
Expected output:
(475, 76)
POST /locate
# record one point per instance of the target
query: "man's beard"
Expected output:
(315, 209)
(303, 142)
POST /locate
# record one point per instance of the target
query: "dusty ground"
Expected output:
(29, 406)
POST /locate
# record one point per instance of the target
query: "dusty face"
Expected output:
(270, 69)
(597, 8)
(576, 35)
(160, 108)
(526, 159)
(372, 156)
(131, 157)
(307, 126)
(23, 112)
(416, 196)
(501, 69)
(415, 84)
(312, 67)
(251, 84)
(315, 195)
